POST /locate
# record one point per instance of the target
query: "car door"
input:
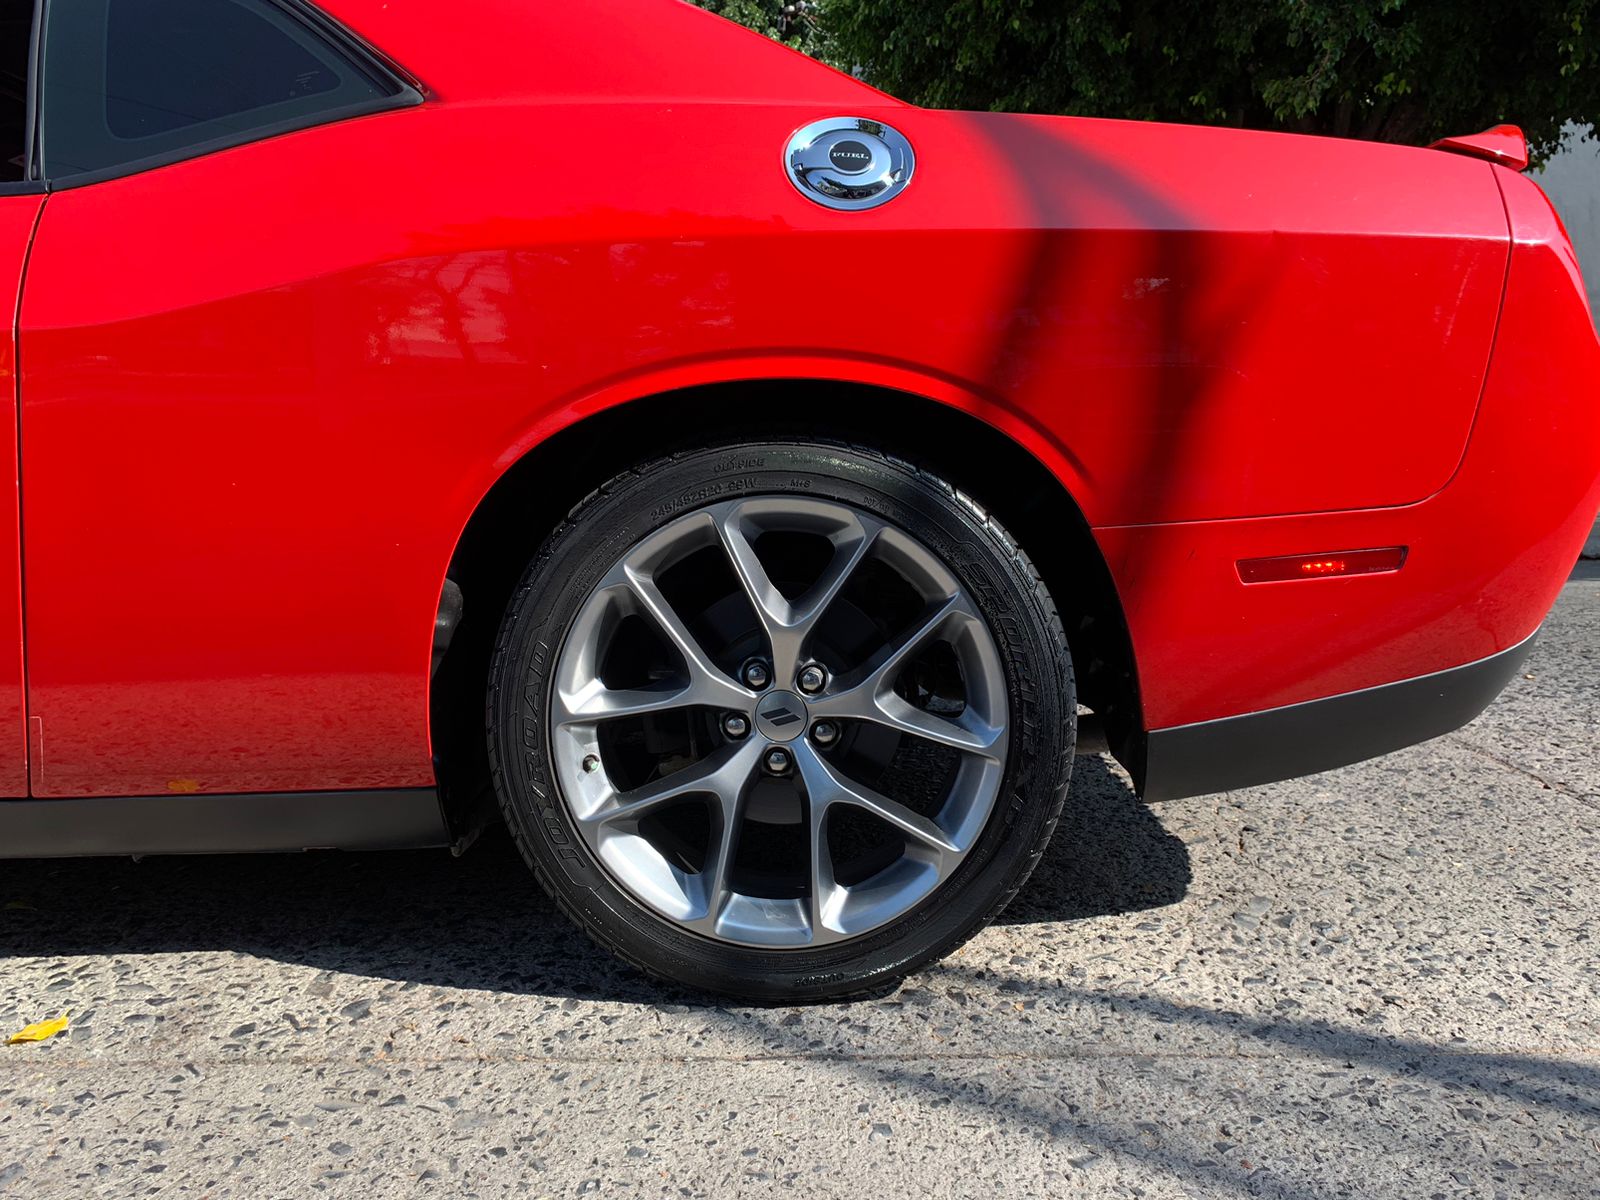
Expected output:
(187, 520)
(19, 211)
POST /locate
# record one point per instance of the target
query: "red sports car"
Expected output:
(599, 417)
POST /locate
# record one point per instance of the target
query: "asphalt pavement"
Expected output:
(1382, 981)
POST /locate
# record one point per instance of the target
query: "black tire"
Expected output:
(996, 573)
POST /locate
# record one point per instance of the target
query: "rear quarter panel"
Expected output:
(1488, 553)
(252, 443)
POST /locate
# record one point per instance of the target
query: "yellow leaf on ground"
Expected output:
(38, 1031)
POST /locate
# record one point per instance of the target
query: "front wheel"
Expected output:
(781, 720)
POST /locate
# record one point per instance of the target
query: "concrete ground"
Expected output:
(1380, 982)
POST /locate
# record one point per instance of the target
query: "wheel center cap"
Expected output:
(781, 717)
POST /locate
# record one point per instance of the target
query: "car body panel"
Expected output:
(305, 361)
(1488, 554)
(320, 404)
(18, 215)
(620, 51)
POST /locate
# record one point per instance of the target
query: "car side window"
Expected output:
(16, 36)
(128, 84)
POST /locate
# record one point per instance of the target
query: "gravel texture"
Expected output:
(1378, 982)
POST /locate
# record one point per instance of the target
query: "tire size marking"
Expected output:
(702, 495)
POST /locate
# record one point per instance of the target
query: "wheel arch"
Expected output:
(550, 476)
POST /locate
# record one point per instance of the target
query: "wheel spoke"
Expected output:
(869, 695)
(850, 550)
(721, 774)
(596, 702)
(707, 682)
(825, 893)
(826, 787)
(966, 732)
(881, 669)
(733, 780)
(788, 624)
(711, 888)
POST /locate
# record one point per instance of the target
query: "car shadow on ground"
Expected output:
(480, 921)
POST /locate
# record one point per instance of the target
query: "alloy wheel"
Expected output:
(779, 722)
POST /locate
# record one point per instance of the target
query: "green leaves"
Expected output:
(794, 22)
(1398, 70)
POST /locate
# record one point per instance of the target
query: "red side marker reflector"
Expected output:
(1321, 566)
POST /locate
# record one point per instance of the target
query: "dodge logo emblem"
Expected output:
(781, 717)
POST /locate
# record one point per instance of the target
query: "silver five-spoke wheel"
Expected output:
(799, 652)
(780, 719)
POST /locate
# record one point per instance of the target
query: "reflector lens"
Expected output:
(1322, 566)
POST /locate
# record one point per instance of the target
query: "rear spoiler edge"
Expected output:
(1503, 144)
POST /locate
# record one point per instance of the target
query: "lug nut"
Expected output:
(812, 679)
(777, 761)
(735, 726)
(824, 733)
(757, 674)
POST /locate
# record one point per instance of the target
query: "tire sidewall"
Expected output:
(1012, 602)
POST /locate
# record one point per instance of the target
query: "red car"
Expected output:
(776, 466)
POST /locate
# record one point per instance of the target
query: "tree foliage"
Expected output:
(795, 22)
(1394, 70)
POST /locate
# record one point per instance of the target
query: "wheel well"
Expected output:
(530, 499)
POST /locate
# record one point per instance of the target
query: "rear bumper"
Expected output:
(1318, 735)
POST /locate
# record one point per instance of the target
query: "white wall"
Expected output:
(1572, 181)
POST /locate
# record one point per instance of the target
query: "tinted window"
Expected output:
(16, 32)
(130, 82)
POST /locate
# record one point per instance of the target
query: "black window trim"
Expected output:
(408, 94)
